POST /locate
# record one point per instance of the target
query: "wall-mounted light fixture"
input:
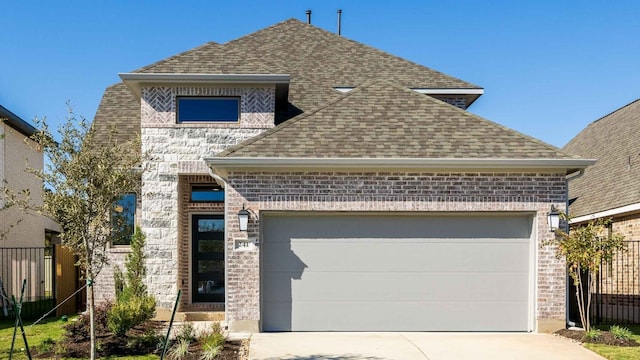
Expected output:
(553, 219)
(243, 219)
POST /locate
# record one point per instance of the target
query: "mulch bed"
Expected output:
(76, 343)
(605, 338)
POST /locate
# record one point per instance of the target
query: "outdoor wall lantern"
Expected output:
(243, 218)
(553, 219)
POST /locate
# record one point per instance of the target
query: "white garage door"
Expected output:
(390, 272)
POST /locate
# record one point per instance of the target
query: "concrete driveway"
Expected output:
(414, 346)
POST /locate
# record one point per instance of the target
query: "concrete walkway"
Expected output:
(414, 346)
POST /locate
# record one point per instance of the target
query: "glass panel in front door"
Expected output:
(207, 237)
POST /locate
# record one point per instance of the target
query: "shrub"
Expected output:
(187, 332)
(78, 331)
(180, 349)
(46, 345)
(133, 304)
(621, 333)
(129, 312)
(212, 343)
(592, 334)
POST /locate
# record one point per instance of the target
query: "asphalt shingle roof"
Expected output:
(384, 120)
(614, 180)
(118, 110)
(317, 61)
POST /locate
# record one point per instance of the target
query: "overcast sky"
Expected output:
(549, 68)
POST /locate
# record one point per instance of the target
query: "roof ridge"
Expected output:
(295, 119)
(353, 42)
(489, 122)
(614, 111)
(263, 29)
(160, 62)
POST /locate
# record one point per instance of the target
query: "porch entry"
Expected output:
(207, 238)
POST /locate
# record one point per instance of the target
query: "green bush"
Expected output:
(592, 334)
(130, 311)
(212, 343)
(133, 304)
(621, 333)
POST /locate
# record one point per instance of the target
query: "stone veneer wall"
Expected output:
(173, 150)
(389, 191)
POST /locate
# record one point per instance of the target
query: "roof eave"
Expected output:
(135, 81)
(227, 163)
(16, 122)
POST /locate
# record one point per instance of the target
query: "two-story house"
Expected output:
(22, 233)
(300, 181)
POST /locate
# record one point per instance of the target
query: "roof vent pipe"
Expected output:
(339, 21)
(308, 16)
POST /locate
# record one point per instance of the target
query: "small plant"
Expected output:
(187, 332)
(212, 343)
(46, 345)
(180, 349)
(209, 352)
(621, 333)
(592, 334)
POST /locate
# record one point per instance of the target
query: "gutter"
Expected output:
(16, 122)
(607, 213)
(570, 165)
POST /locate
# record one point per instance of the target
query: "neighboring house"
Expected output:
(375, 200)
(22, 229)
(611, 189)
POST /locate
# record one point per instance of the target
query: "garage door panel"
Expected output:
(416, 255)
(388, 225)
(392, 273)
(391, 316)
(410, 287)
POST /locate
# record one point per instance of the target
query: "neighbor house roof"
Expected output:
(614, 181)
(316, 60)
(16, 122)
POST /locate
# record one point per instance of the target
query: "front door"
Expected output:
(207, 237)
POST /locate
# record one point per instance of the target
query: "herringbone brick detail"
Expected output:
(158, 105)
(257, 106)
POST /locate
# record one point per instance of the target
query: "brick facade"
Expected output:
(390, 191)
(619, 288)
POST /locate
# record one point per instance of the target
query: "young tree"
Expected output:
(83, 176)
(586, 248)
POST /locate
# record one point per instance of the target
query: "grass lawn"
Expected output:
(617, 352)
(47, 329)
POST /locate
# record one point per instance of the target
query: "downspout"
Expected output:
(223, 183)
(568, 321)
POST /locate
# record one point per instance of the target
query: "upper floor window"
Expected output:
(207, 193)
(123, 219)
(224, 109)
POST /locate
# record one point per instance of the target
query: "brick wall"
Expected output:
(184, 261)
(386, 191)
(620, 279)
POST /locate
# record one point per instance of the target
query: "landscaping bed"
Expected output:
(604, 337)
